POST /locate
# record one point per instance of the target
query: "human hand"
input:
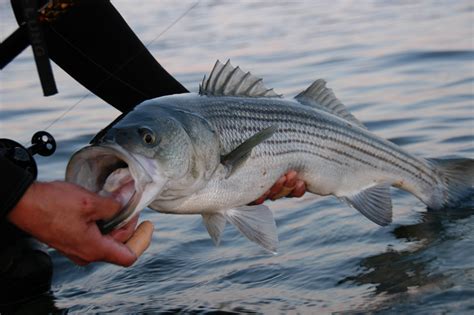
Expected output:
(64, 215)
(289, 185)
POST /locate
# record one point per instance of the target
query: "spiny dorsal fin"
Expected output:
(225, 80)
(374, 202)
(319, 96)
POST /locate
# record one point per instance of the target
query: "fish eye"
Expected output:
(148, 136)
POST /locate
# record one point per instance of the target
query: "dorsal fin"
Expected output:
(319, 96)
(225, 80)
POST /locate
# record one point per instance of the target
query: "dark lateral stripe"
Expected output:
(311, 143)
(284, 113)
(348, 144)
(300, 150)
(362, 150)
(376, 144)
(292, 151)
(277, 142)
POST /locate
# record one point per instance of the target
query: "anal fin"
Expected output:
(374, 202)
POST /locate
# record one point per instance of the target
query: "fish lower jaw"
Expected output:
(111, 171)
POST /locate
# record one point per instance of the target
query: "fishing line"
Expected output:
(112, 74)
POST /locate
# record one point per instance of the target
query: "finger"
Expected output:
(259, 201)
(102, 208)
(277, 186)
(141, 239)
(115, 252)
(288, 185)
(125, 232)
(300, 189)
(291, 178)
(284, 191)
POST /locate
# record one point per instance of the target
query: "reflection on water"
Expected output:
(401, 275)
(405, 68)
(397, 271)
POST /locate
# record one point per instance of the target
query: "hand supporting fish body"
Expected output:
(214, 152)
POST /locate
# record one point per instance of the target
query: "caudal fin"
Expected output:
(457, 176)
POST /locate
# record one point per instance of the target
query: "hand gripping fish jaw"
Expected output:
(112, 172)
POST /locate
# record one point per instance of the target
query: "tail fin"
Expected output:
(457, 176)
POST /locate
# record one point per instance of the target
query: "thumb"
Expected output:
(103, 208)
(116, 253)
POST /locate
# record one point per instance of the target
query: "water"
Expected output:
(405, 68)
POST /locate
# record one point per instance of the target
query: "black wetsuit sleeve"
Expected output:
(14, 181)
(94, 44)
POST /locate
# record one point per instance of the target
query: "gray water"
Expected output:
(405, 68)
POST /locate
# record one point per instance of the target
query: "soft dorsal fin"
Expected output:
(225, 80)
(319, 96)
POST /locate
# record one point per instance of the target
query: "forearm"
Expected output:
(28, 213)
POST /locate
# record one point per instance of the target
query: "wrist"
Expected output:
(24, 211)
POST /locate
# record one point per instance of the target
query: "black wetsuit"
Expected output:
(94, 44)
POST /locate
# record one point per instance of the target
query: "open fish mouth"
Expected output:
(112, 172)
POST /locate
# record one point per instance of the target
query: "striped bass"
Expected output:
(214, 152)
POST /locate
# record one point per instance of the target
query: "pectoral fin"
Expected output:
(257, 224)
(234, 159)
(374, 202)
(215, 224)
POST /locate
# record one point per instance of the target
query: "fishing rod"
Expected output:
(30, 32)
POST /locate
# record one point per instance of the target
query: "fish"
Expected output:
(213, 152)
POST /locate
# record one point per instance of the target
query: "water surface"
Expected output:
(405, 68)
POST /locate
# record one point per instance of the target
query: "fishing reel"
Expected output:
(42, 143)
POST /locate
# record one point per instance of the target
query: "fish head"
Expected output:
(159, 142)
(139, 157)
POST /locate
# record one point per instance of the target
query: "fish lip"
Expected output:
(118, 154)
(114, 150)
